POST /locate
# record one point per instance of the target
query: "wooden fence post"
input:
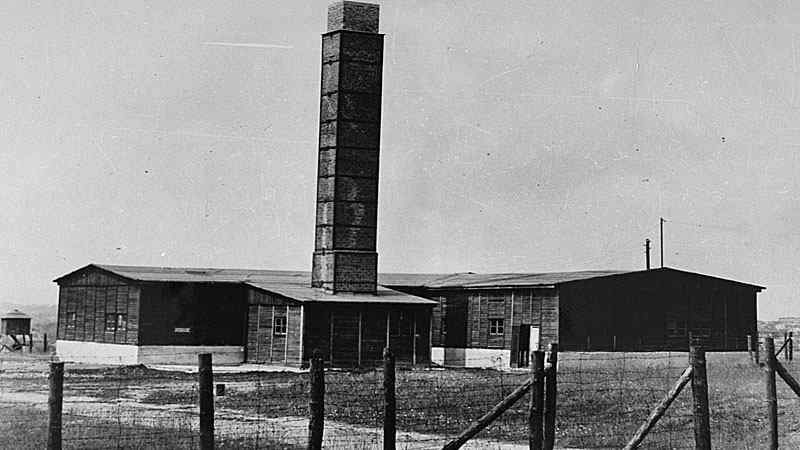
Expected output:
(702, 424)
(756, 349)
(750, 348)
(772, 397)
(316, 402)
(205, 381)
(785, 345)
(659, 410)
(44, 343)
(551, 390)
(791, 345)
(536, 409)
(389, 401)
(55, 403)
(485, 420)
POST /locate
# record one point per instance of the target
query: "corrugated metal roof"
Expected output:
(475, 280)
(15, 314)
(295, 285)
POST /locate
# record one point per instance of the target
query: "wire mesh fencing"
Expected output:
(602, 399)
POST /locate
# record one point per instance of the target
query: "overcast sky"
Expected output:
(537, 136)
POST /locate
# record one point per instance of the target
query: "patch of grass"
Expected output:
(26, 429)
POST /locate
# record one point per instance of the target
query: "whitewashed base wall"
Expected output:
(121, 354)
(471, 357)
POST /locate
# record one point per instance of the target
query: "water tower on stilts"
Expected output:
(15, 331)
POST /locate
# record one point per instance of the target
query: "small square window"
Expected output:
(116, 322)
(280, 326)
(496, 327)
(122, 322)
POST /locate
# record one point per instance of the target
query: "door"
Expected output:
(534, 339)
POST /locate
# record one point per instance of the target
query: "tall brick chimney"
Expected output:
(345, 257)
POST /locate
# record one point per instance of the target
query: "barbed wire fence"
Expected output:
(603, 398)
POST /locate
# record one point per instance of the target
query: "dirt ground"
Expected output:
(603, 398)
(131, 408)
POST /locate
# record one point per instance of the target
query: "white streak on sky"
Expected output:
(249, 45)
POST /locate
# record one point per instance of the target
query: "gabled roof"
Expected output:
(295, 285)
(15, 314)
(492, 280)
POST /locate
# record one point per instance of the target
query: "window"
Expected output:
(122, 322)
(116, 322)
(72, 319)
(444, 325)
(280, 326)
(496, 327)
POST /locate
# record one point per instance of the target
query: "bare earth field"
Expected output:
(603, 398)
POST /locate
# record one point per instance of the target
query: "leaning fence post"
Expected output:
(316, 402)
(772, 396)
(551, 390)
(536, 409)
(389, 405)
(205, 381)
(54, 403)
(702, 426)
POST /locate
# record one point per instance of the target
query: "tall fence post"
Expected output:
(551, 390)
(389, 401)
(55, 403)
(316, 401)
(44, 343)
(205, 381)
(536, 409)
(702, 424)
(791, 346)
(772, 396)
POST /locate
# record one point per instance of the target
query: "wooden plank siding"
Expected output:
(264, 346)
(212, 314)
(474, 309)
(351, 336)
(90, 296)
(656, 312)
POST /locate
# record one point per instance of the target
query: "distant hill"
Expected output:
(43, 318)
(780, 326)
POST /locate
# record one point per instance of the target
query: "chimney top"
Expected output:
(353, 16)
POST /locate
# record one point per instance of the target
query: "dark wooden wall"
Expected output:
(656, 310)
(15, 326)
(90, 295)
(264, 346)
(193, 314)
(355, 335)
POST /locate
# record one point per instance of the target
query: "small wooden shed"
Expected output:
(15, 323)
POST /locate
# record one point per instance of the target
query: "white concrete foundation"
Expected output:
(122, 354)
(471, 357)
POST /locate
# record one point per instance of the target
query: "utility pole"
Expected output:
(647, 252)
(661, 239)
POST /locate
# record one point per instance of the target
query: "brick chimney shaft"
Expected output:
(345, 257)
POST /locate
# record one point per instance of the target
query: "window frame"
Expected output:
(116, 322)
(497, 327)
(281, 326)
(71, 319)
